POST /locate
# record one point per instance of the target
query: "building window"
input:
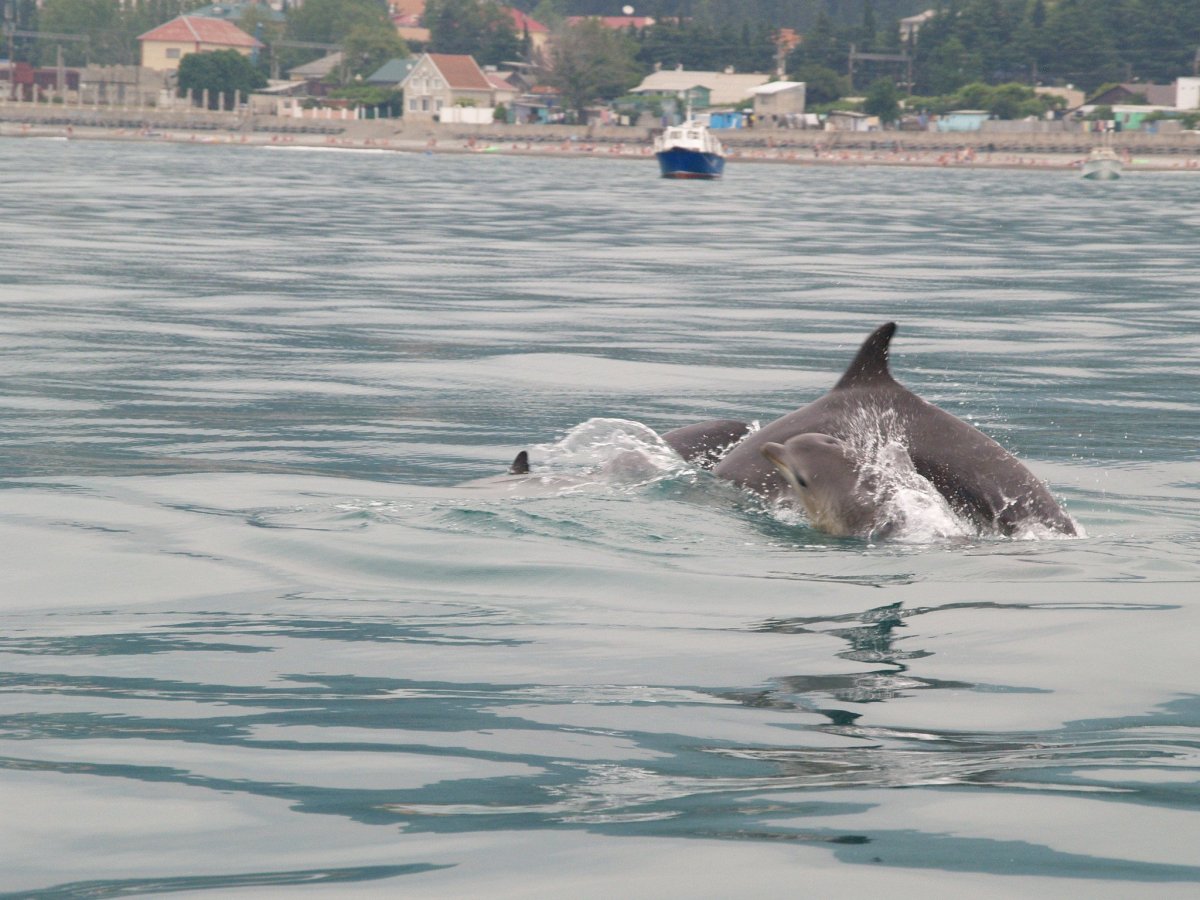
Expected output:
(412, 104)
(439, 104)
(425, 104)
(172, 53)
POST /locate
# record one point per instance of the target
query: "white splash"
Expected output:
(610, 451)
(1039, 531)
(914, 510)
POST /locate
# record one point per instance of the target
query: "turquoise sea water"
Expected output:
(257, 639)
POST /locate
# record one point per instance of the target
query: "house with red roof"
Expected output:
(524, 24)
(163, 47)
(406, 16)
(442, 80)
(410, 29)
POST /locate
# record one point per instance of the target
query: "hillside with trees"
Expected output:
(1080, 42)
(1085, 43)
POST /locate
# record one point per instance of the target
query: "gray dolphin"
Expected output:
(702, 445)
(705, 443)
(838, 495)
(979, 479)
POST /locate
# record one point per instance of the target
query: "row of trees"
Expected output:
(797, 14)
(1085, 42)
(1005, 101)
(1081, 42)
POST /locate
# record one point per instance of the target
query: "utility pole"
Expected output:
(882, 57)
(10, 28)
(12, 31)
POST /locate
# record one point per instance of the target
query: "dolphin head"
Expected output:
(824, 476)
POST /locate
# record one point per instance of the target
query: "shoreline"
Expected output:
(374, 135)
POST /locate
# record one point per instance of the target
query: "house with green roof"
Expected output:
(392, 72)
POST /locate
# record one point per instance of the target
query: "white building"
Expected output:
(779, 98)
(442, 80)
(1187, 93)
(724, 88)
(910, 26)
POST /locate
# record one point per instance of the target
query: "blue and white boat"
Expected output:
(689, 151)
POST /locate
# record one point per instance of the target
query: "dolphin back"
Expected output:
(705, 443)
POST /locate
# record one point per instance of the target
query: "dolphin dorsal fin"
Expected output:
(871, 363)
(520, 465)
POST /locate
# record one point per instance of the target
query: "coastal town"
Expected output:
(479, 76)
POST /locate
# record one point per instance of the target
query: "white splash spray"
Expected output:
(914, 510)
(617, 452)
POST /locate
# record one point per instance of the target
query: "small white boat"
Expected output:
(689, 151)
(1102, 164)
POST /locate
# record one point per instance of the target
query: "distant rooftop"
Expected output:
(393, 71)
(317, 69)
(523, 22)
(725, 88)
(199, 30)
(460, 71)
(776, 87)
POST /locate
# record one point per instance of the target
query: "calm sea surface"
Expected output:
(257, 638)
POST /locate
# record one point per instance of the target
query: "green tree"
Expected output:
(949, 66)
(221, 73)
(329, 21)
(258, 24)
(1029, 41)
(883, 100)
(985, 29)
(550, 12)
(822, 85)
(823, 45)
(867, 33)
(1084, 48)
(590, 62)
(366, 48)
(111, 27)
(100, 20)
(25, 18)
(369, 95)
(479, 28)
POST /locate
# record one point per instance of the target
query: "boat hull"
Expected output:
(1104, 170)
(682, 163)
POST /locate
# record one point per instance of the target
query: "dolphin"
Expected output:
(702, 445)
(705, 443)
(980, 480)
(838, 494)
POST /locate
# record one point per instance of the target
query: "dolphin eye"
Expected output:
(800, 481)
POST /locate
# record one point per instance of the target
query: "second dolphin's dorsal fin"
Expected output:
(520, 465)
(870, 365)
